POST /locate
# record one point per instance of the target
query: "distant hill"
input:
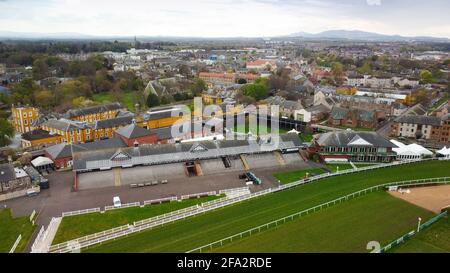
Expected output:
(331, 34)
(365, 36)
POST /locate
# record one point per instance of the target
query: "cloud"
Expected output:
(373, 2)
(224, 18)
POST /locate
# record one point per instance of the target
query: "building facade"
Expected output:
(345, 146)
(23, 118)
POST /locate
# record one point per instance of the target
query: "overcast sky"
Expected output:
(225, 18)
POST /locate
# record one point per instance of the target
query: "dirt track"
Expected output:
(430, 198)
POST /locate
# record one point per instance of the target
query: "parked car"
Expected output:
(32, 192)
(116, 202)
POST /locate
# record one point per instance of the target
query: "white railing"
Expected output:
(16, 243)
(32, 216)
(198, 195)
(161, 200)
(79, 212)
(190, 211)
(38, 239)
(249, 232)
(233, 190)
(108, 232)
(124, 206)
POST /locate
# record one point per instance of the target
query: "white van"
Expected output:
(116, 202)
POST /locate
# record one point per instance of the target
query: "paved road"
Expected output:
(60, 197)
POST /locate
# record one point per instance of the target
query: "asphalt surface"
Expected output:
(61, 198)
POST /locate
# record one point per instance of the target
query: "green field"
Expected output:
(128, 99)
(196, 231)
(81, 225)
(435, 239)
(11, 228)
(289, 177)
(347, 227)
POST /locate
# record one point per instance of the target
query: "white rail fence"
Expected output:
(45, 236)
(123, 206)
(232, 190)
(275, 223)
(138, 204)
(198, 195)
(161, 200)
(16, 243)
(38, 239)
(208, 206)
(79, 212)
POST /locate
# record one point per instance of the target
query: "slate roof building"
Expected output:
(94, 113)
(353, 117)
(354, 146)
(61, 154)
(430, 128)
(146, 155)
(134, 135)
(12, 179)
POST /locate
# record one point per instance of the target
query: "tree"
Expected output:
(23, 92)
(72, 89)
(153, 100)
(6, 132)
(44, 98)
(426, 76)
(40, 68)
(256, 91)
(337, 69)
(198, 86)
(25, 159)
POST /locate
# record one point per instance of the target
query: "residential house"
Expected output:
(13, 179)
(429, 128)
(353, 118)
(312, 114)
(287, 108)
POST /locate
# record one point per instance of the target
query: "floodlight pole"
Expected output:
(418, 224)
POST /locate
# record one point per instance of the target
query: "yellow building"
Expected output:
(79, 132)
(23, 118)
(159, 118)
(347, 90)
(39, 139)
(94, 113)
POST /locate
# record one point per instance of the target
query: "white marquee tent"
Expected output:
(410, 152)
(41, 161)
(445, 152)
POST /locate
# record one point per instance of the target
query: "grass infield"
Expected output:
(435, 239)
(11, 228)
(200, 230)
(73, 227)
(347, 228)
